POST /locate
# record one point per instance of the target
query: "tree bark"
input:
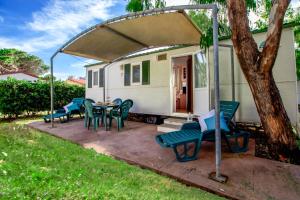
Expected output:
(257, 67)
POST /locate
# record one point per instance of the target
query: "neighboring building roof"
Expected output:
(79, 81)
(27, 73)
(143, 53)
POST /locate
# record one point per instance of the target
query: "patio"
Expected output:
(249, 177)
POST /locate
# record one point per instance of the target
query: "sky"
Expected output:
(40, 27)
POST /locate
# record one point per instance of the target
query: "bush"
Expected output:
(18, 96)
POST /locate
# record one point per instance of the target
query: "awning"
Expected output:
(115, 39)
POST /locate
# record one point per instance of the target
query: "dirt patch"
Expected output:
(266, 149)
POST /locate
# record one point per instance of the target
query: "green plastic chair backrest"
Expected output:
(88, 108)
(117, 101)
(125, 107)
(91, 100)
(78, 101)
(229, 109)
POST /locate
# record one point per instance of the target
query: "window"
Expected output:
(90, 74)
(136, 74)
(101, 77)
(200, 71)
(95, 82)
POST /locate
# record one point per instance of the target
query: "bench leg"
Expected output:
(185, 156)
(236, 148)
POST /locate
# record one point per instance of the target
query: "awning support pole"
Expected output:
(218, 176)
(52, 88)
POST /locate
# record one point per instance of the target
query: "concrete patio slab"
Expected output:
(249, 177)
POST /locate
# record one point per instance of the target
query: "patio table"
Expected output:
(104, 107)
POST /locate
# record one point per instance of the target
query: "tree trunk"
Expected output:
(269, 105)
(257, 67)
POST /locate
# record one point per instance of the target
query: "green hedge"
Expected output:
(18, 97)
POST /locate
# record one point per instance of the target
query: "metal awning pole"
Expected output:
(52, 87)
(218, 176)
(232, 74)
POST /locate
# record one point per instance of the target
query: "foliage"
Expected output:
(34, 165)
(201, 19)
(12, 60)
(251, 4)
(18, 96)
(141, 5)
(47, 77)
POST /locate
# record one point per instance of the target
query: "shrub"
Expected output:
(18, 96)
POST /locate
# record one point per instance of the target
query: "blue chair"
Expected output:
(191, 133)
(63, 116)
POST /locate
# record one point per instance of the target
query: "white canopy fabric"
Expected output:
(112, 40)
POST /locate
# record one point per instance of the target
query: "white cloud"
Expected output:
(80, 64)
(61, 75)
(1, 19)
(58, 21)
(177, 2)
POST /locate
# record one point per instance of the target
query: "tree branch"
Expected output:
(242, 39)
(270, 50)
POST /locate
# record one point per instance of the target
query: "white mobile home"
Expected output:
(177, 80)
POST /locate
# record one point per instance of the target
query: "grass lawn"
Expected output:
(34, 165)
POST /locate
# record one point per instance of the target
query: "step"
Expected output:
(164, 128)
(175, 121)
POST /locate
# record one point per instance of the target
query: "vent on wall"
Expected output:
(162, 57)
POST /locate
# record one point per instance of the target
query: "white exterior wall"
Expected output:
(284, 74)
(19, 76)
(156, 97)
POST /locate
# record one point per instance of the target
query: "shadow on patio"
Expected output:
(249, 177)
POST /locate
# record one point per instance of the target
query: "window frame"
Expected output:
(131, 73)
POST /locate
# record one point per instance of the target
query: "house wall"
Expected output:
(284, 73)
(19, 76)
(154, 98)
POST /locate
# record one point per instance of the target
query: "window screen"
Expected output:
(136, 73)
(200, 70)
(95, 82)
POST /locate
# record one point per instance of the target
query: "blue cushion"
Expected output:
(210, 123)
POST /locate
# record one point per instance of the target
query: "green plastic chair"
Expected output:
(120, 113)
(91, 115)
